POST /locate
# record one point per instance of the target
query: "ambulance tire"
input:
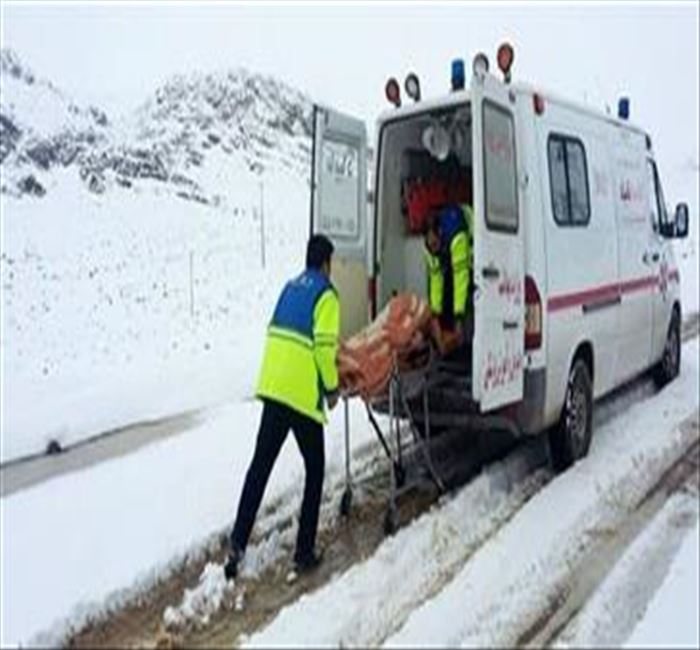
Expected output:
(669, 367)
(570, 439)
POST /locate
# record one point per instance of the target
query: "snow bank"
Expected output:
(113, 529)
(617, 606)
(671, 619)
(202, 601)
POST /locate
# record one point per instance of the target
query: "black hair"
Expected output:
(318, 251)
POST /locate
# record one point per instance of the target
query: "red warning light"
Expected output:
(393, 92)
(538, 103)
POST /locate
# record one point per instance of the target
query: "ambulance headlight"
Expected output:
(480, 65)
(393, 92)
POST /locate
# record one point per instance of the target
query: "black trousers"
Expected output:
(277, 419)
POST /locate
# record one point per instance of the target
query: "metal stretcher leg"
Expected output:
(346, 500)
(423, 442)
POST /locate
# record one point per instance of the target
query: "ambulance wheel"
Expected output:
(571, 437)
(669, 367)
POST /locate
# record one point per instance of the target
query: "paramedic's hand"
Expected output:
(332, 399)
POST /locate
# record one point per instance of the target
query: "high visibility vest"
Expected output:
(299, 362)
(448, 271)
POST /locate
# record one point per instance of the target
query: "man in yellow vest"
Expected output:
(448, 260)
(298, 375)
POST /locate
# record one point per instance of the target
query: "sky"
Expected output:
(115, 54)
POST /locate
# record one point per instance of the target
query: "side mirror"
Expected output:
(681, 220)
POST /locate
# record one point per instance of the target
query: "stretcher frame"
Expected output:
(402, 387)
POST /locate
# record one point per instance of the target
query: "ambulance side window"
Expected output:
(568, 180)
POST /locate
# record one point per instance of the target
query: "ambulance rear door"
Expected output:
(339, 208)
(499, 309)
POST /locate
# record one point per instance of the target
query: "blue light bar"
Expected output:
(623, 108)
(458, 74)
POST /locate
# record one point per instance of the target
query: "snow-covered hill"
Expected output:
(133, 278)
(187, 127)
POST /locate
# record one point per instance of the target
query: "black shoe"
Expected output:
(231, 566)
(307, 563)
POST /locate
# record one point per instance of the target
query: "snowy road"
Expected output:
(504, 561)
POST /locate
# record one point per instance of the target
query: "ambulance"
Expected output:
(575, 287)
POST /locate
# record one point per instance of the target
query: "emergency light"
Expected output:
(505, 60)
(458, 74)
(480, 65)
(393, 92)
(623, 108)
(412, 86)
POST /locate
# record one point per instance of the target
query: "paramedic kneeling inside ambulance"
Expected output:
(298, 374)
(448, 259)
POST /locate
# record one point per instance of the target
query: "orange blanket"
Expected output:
(399, 332)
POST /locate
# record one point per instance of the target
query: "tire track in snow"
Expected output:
(507, 592)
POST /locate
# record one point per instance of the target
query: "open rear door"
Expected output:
(499, 312)
(339, 208)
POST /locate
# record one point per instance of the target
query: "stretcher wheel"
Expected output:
(346, 502)
(391, 522)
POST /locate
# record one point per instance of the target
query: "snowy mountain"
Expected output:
(178, 137)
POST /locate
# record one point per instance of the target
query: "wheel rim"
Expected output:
(577, 415)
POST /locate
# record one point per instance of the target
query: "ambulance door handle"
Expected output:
(648, 258)
(510, 325)
(490, 273)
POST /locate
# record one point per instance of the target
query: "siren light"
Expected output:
(505, 58)
(480, 65)
(393, 92)
(458, 74)
(412, 86)
(623, 108)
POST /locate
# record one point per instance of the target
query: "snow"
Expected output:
(671, 619)
(113, 529)
(199, 603)
(97, 321)
(616, 607)
(507, 582)
(367, 601)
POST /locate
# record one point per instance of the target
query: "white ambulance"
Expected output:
(575, 287)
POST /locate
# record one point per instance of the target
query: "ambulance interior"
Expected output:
(425, 163)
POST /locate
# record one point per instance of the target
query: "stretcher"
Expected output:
(407, 442)
(394, 365)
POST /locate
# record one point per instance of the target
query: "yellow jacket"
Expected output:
(299, 363)
(448, 270)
